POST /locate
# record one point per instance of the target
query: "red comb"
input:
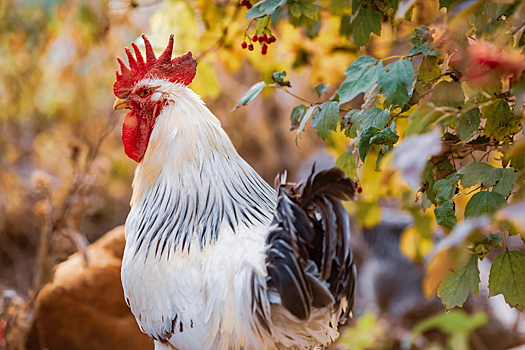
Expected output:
(180, 69)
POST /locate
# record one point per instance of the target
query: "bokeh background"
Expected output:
(65, 180)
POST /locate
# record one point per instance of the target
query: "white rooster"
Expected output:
(214, 257)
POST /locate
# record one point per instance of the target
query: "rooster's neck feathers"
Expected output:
(191, 181)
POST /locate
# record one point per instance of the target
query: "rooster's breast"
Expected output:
(196, 298)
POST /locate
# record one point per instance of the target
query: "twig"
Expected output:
(299, 97)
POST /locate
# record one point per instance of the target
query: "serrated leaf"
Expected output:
(445, 214)
(321, 89)
(429, 68)
(326, 119)
(421, 41)
(298, 8)
(444, 191)
(362, 74)
(484, 202)
(346, 162)
(395, 80)
(505, 183)
(468, 124)
(366, 21)
(297, 115)
(457, 285)
(385, 137)
(475, 172)
(264, 7)
(305, 118)
(375, 117)
(500, 120)
(507, 277)
(250, 94)
(363, 144)
(448, 93)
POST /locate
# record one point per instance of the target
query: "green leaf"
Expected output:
(298, 8)
(457, 285)
(346, 162)
(363, 144)
(484, 202)
(362, 74)
(373, 117)
(444, 191)
(321, 89)
(421, 41)
(507, 277)
(448, 93)
(250, 94)
(264, 7)
(445, 214)
(395, 80)
(429, 68)
(385, 137)
(475, 172)
(366, 21)
(262, 24)
(278, 79)
(500, 120)
(305, 118)
(505, 184)
(422, 120)
(297, 115)
(468, 123)
(326, 119)
(518, 161)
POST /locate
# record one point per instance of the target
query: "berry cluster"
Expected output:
(264, 39)
(359, 188)
(246, 3)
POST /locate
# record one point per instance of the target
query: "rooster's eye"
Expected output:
(145, 92)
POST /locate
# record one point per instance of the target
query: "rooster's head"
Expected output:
(139, 88)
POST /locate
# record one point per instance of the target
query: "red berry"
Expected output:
(249, 5)
(250, 46)
(360, 189)
(262, 38)
(255, 38)
(272, 39)
(264, 49)
(356, 184)
(244, 45)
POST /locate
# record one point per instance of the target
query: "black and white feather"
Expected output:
(309, 260)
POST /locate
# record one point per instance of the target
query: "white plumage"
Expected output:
(213, 259)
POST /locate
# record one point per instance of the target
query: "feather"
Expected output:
(308, 257)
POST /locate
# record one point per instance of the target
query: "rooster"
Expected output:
(215, 258)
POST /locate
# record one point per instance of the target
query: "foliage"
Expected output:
(442, 123)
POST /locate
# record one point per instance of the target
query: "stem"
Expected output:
(505, 240)
(400, 56)
(298, 97)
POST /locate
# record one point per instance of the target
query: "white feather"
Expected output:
(199, 296)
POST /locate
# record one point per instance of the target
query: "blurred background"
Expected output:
(65, 180)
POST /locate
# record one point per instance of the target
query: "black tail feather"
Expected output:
(309, 260)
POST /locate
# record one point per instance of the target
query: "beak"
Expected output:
(120, 104)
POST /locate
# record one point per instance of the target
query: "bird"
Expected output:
(215, 257)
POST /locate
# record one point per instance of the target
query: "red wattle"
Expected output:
(135, 135)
